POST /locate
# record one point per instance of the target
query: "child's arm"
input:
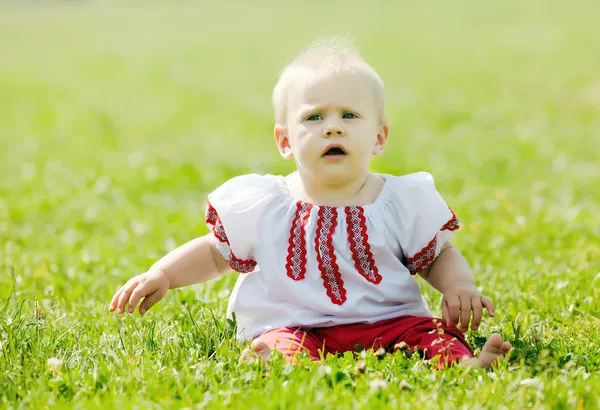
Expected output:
(452, 276)
(196, 261)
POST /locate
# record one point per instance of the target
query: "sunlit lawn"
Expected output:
(116, 122)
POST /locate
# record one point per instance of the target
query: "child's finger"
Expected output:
(136, 295)
(489, 305)
(465, 313)
(125, 294)
(150, 301)
(113, 302)
(445, 314)
(477, 312)
(453, 310)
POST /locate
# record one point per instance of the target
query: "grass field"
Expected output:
(115, 122)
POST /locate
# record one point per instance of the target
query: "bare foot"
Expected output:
(258, 349)
(492, 350)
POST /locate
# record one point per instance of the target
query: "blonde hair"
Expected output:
(327, 57)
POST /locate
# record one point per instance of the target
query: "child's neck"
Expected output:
(362, 190)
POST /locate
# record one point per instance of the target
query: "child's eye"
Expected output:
(314, 117)
(349, 116)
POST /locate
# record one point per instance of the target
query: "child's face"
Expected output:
(333, 127)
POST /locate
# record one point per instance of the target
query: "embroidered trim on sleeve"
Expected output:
(211, 215)
(423, 258)
(453, 224)
(296, 258)
(359, 244)
(332, 279)
(427, 255)
(241, 265)
(214, 223)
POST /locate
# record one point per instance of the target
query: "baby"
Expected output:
(327, 254)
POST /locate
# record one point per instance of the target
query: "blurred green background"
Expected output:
(116, 120)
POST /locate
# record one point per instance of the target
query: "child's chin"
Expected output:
(335, 174)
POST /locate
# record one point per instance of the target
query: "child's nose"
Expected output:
(333, 131)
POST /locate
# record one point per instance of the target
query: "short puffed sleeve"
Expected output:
(233, 214)
(425, 221)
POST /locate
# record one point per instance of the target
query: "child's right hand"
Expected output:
(152, 286)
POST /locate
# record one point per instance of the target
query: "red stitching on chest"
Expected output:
(330, 272)
(359, 244)
(296, 258)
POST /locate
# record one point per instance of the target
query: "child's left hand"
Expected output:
(459, 301)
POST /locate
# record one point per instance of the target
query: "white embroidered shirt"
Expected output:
(304, 265)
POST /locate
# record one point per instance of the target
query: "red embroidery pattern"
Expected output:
(241, 265)
(328, 267)
(214, 222)
(296, 259)
(425, 256)
(452, 224)
(219, 232)
(359, 244)
(211, 215)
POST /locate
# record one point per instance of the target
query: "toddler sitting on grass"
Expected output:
(327, 254)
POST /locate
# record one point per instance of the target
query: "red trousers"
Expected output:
(430, 335)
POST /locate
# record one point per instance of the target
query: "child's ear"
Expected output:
(382, 137)
(283, 142)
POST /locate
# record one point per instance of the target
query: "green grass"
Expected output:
(116, 122)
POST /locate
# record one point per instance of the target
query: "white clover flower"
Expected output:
(378, 384)
(54, 362)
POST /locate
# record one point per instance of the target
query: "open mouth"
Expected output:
(334, 152)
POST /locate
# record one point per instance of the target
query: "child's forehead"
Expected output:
(340, 88)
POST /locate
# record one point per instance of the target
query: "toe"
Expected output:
(245, 356)
(493, 343)
(261, 349)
